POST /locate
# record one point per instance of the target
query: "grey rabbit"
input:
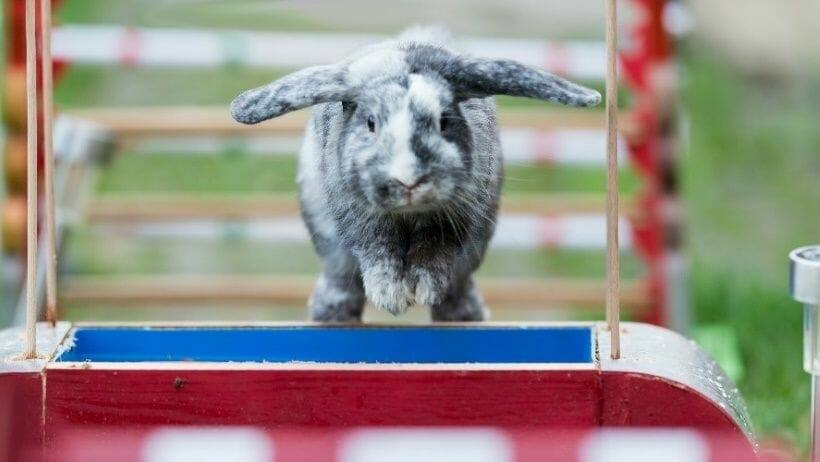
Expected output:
(400, 170)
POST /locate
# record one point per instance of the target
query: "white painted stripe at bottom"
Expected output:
(613, 445)
(208, 445)
(422, 445)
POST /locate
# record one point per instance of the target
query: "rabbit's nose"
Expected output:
(413, 184)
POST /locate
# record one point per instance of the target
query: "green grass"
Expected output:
(751, 188)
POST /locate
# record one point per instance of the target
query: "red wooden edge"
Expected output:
(274, 399)
(21, 413)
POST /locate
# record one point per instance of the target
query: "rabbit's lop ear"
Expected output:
(476, 77)
(314, 85)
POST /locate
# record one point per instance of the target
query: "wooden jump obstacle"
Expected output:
(105, 377)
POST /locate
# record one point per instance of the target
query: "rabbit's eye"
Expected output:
(442, 123)
(371, 124)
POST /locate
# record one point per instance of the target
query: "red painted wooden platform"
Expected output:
(663, 381)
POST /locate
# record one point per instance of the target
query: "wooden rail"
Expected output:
(181, 121)
(175, 207)
(295, 290)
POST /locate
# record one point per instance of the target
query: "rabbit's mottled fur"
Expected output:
(400, 171)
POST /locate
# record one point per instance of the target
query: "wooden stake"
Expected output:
(613, 309)
(48, 150)
(30, 351)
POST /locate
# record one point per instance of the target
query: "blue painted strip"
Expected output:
(335, 344)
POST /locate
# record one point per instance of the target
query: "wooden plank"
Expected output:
(652, 356)
(49, 340)
(639, 393)
(174, 207)
(646, 400)
(633, 392)
(21, 413)
(521, 146)
(181, 120)
(295, 290)
(513, 232)
(287, 398)
(140, 122)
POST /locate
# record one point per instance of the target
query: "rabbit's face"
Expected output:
(405, 143)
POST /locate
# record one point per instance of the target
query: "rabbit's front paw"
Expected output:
(387, 290)
(429, 290)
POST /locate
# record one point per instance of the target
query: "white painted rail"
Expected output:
(513, 231)
(522, 146)
(114, 44)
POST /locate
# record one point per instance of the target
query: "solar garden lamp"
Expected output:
(804, 284)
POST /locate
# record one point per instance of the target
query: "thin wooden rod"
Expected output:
(30, 351)
(48, 151)
(613, 308)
